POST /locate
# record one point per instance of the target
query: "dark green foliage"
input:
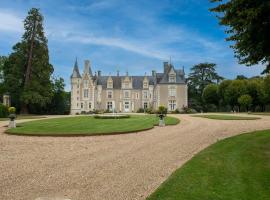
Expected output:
(245, 101)
(3, 111)
(27, 71)
(248, 23)
(200, 76)
(210, 94)
(111, 116)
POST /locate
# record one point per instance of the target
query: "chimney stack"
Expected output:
(154, 73)
(99, 73)
(117, 72)
(166, 66)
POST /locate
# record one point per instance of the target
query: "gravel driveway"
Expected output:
(117, 167)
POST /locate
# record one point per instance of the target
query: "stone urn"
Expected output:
(12, 123)
(161, 119)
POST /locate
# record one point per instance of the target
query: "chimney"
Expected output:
(99, 73)
(166, 66)
(86, 67)
(117, 72)
(154, 73)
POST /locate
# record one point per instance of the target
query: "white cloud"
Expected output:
(10, 22)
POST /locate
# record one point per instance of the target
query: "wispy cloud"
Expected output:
(10, 22)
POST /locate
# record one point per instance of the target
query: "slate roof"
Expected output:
(137, 81)
(76, 73)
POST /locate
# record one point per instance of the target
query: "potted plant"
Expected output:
(162, 112)
(12, 117)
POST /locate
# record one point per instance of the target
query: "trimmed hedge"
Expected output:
(111, 116)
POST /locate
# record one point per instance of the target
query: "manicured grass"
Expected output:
(261, 113)
(88, 125)
(226, 117)
(235, 168)
(25, 117)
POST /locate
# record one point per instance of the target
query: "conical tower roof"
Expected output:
(76, 72)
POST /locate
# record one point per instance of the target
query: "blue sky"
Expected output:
(126, 35)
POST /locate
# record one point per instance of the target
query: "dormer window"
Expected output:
(110, 84)
(85, 83)
(172, 78)
(145, 84)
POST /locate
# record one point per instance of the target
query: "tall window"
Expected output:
(145, 105)
(145, 94)
(126, 94)
(172, 105)
(85, 93)
(90, 105)
(109, 94)
(85, 83)
(81, 105)
(126, 84)
(172, 91)
(109, 106)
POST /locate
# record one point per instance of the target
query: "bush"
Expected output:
(187, 110)
(177, 111)
(162, 110)
(111, 116)
(140, 110)
(3, 110)
(12, 110)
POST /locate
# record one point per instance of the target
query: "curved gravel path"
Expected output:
(117, 167)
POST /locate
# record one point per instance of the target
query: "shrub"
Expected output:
(177, 111)
(3, 110)
(140, 110)
(12, 110)
(162, 110)
(187, 110)
(111, 116)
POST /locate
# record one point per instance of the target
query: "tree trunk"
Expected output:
(24, 108)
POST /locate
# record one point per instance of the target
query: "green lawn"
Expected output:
(237, 168)
(88, 125)
(25, 117)
(226, 117)
(261, 113)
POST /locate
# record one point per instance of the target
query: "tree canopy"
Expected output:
(248, 23)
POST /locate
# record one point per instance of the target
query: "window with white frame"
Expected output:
(85, 93)
(145, 84)
(126, 94)
(109, 84)
(109, 106)
(172, 78)
(145, 94)
(110, 94)
(90, 105)
(81, 105)
(172, 91)
(172, 105)
(126, 85)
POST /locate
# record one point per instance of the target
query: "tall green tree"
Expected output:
(248, 23)
(200, 76)
(3, 60)
(28, 72)
(210, 94)
(245, 101)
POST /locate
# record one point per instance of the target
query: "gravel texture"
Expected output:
(116, 167)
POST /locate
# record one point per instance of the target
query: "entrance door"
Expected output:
(126, 106)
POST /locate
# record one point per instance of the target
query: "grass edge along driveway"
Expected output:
(226, 117)
(88, 125)
(233, 168)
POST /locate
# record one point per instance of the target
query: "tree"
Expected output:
(27, 72)
(236, 89)
(240, 77)
(3, 60)
(248, 23)
(201, 75)
(60, 103)
(245, 101)
(210, 94)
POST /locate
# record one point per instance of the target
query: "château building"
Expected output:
(127, 93)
